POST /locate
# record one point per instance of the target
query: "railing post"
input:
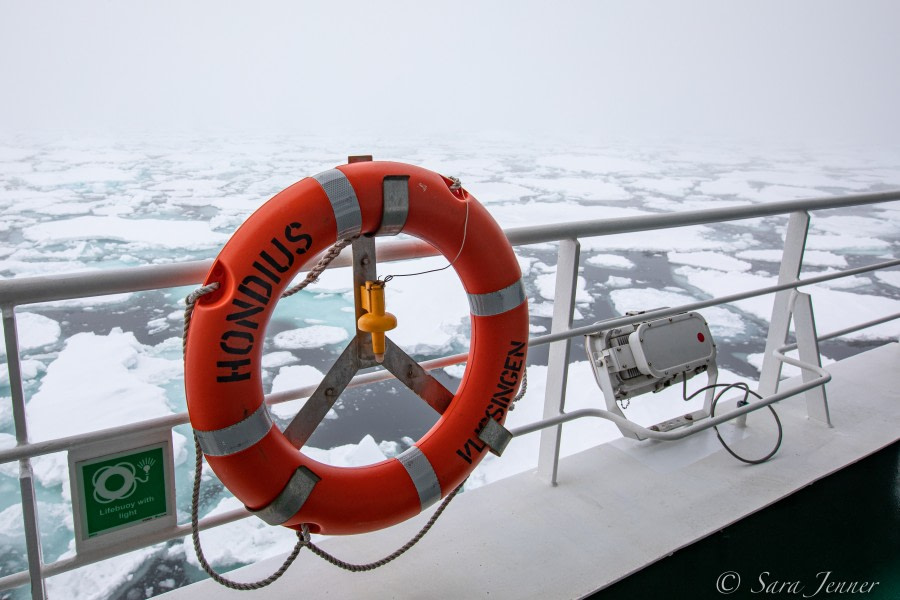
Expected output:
(558, 361)
(808, 349)
(26, 477)
(779, 324)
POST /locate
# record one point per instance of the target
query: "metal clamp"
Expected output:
(291, 499)
(496, 436)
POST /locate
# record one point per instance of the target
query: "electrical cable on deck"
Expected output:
(712, 413)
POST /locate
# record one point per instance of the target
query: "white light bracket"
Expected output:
(650, 356)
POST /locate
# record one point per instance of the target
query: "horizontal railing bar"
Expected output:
(31, 290)
(668, 435)
(547, 233)
(822, 378)
(63, 444)
(135, 543)
(112, 281)
(846, 330)
(665, 312)
(151, 539)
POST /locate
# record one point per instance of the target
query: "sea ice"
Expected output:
(274, 360)
(125, 386)
(722, 322)
(681, 239)
(34, 332)
(246, 541)
(543, 213)
(491, 192)
(546, 286)
(97, 580)
(180, 235)
(833, 309)
(891, 278)
(708, 259)
(612, 261)
(314, 336)
(811, 258)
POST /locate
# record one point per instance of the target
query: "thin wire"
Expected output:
(448, 265)
(712, 413)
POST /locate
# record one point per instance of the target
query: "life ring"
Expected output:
(223, 382)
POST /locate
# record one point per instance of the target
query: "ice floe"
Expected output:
(612, 261)
(709, 259)
(152, 232)
(812, 258)
(97, 381)
(34, 332)
(722, 322)
(314, 336)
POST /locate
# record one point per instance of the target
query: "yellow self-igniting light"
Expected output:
(375, 320)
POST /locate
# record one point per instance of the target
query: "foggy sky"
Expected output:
(821, 69)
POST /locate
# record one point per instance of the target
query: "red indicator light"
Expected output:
(701, 337)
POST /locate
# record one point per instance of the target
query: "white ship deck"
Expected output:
(618, 507)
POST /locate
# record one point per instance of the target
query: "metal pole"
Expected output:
(26, 477)
(779, 324)
(558, 362)
(808, 349)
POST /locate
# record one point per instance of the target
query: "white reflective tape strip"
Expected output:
(343, 202)
(290, 499)
(237, 437)
(395, 190)
(495, 303)
(422, 474)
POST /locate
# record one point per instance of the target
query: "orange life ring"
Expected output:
(223, 382)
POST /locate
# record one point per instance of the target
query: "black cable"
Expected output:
(712, 413)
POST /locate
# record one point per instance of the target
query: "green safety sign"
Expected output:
(126, 489)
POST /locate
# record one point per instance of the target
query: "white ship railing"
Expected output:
(32, 290)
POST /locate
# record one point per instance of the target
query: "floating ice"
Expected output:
(544, 213)
(314, 336)
(722, 322)
(854, 226)
(889, 277)
(366, 452)
(96, 581)
(613, 261)
(432, 310)
(812, 258)
(585, 188)
(122, 384)
(246, 541)
(833, 309)
(845, 242)
(273, 360)
(712, 260)
(787, 371)
(546, 286)
(489, 192)
(152, 232)
(34, 332)
(455, 370)
(618, 282)
(594, 162)
(681, 239)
